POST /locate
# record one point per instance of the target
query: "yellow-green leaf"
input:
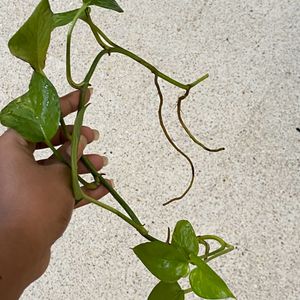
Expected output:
(36, 114)
(206, 283)
(167, 291)
(184, 237)
(30, 43)
(109, 4)
(164, 261)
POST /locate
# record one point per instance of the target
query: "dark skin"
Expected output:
(36, 202)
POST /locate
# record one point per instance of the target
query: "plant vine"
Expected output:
(181, 250)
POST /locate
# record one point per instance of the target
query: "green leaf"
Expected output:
(35, 115)
(30, 43)
(163, 260)
(62, 19)
(206, 283)
(167, 291)
(110, 4)
(184, 237)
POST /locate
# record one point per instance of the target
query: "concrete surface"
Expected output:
(248, 194)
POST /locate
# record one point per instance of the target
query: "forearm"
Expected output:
(20, 263)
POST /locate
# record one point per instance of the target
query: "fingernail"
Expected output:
(96, 134)
(112, 183)
(83, 141)
(105, 161)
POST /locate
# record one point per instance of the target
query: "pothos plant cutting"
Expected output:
(36, 116)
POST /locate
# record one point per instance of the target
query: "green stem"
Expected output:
(102, 34)
(229, 249)
(92, 170)
(59, 156)
(223, 249)
(190, 290)
(77, 125)
(87, 163)
(68, 54)
(118, 49)
(64, 128)
(80, 195)
(74, 151)
(102, 181)
(213, 237)
(93, 67)
(94, 28)
(91, 167)
(207, 248)
(140, 228)
(112, 191)
(155, 70)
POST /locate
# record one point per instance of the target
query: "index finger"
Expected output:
(70, 102)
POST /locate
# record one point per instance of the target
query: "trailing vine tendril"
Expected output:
(161, 122)
(179, 114)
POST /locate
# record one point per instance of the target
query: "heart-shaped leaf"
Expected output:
(36, 114)
(110, 4)
(184, 237)
(167, 291)
(206, 283)
(164, 261)
(30, 43)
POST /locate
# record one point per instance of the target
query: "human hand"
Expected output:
(36, 202)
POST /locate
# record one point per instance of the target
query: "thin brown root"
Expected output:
(179, 114)
(168, 236)
(161, 122)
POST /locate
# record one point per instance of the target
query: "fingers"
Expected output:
(65, 151)
(98, 162)
(96, 194)
(70, 102)
(59, 139)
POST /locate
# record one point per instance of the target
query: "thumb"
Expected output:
(15, 141)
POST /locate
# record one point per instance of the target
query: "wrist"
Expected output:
(20, 261)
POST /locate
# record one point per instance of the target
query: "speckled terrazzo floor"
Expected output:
(248, 194)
